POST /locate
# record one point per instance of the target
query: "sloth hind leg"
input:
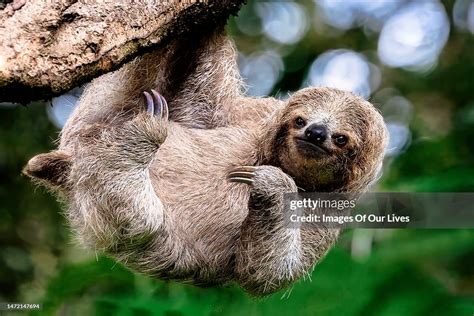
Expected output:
(114, 206)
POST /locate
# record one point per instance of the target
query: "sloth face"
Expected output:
(330, 140)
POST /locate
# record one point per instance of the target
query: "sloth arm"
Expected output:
(197, 73)
(271, 255)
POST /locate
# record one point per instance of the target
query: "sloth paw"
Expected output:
(268, 184)
(144, 134)
(156, 104)
(263, 179)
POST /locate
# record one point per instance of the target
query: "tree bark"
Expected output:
(48, 47)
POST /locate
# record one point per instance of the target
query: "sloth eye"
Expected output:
(340, 140)
(300, 122)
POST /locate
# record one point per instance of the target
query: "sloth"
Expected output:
(188, 184)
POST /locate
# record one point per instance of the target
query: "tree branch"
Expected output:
(49, 47)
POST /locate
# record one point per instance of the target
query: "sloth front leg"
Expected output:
(272, 255)
(114, 207)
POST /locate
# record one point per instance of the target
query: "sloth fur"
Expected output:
(197, 195)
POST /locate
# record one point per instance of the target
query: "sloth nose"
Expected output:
(316, 133)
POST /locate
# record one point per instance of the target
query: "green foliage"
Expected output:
(405, 272)
(403, 275)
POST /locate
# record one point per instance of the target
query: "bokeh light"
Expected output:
(62, 106)
(398, 109)
(344, 15)
(398, 113)
(414, 36)
(345, 70)
(400, 137)
(463, 15)
(283, 22)
(261, 71)
(285, 45)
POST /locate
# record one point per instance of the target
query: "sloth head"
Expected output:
(328, 140)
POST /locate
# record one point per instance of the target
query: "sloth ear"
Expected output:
(51, 169)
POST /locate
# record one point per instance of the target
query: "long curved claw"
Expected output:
(156, 104)
(164, 112)
(159, 102)
(150, 105)
(243, 174)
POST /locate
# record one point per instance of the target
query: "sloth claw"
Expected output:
(163, 104)
(156, 104)
(243, 174)
(150, 106)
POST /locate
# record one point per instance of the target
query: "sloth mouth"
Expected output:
(310, 148)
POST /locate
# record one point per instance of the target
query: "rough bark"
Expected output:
(48, 47)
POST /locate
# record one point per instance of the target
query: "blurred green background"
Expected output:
(413, 59)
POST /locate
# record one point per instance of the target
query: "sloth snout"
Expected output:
(316, 133)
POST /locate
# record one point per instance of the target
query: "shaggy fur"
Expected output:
(155, 193)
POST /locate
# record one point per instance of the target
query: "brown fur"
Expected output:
(154, 193)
